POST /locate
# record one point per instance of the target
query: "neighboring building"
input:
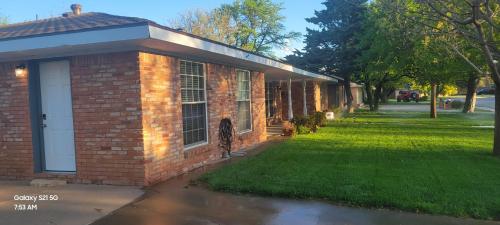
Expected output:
(103, 99)
(357, 94)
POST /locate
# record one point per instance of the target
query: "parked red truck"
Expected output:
(408, 96)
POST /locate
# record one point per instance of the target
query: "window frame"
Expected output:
(249, 101)
(205, 101)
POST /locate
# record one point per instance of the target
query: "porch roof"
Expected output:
(93, 33)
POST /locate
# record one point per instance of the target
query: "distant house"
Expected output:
(104, 99)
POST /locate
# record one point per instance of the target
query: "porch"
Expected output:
(299, 95)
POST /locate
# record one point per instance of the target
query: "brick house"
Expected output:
(104, 99)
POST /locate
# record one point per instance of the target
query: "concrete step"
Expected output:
(274, 131)
(47, 183)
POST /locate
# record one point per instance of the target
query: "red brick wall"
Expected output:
(127, 119)
(160, 96)
(324, 96)
(106, 108)
(107, 119)
(162, 113)
(313, 98)
(16, 155)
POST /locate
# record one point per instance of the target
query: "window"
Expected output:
(243, 100)
(270, 104)
(194, 104)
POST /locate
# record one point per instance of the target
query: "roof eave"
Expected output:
(24, 48)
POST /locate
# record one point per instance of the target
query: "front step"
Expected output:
(47, 183)
(274, 130)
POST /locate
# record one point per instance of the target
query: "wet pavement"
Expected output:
(181, 201)
(72, 204)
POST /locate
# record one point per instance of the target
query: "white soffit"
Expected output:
(192, 42)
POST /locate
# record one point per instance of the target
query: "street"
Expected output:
(486, 102)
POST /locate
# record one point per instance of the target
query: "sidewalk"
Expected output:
(71, 204)
(185, 202)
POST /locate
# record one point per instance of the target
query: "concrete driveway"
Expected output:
(75, 204)
(486, 102)
(181, 201)
(412, 108)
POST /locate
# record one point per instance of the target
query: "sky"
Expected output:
(160, 11)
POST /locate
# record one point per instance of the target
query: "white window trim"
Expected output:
(249, 99)
(197, 144)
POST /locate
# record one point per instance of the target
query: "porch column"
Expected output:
(290, 108)
(304, 84)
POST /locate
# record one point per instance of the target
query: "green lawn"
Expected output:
(385, 160)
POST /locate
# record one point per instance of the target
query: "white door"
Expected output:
(57, 116)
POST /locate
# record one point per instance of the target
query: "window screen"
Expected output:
(243, 99)
(194, 118)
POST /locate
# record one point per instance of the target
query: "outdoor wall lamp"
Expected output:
(20, 70)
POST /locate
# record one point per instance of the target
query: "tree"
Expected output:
(478, 22)
(473, 68)
(332, 48)
(436, 67)
(253, 25)
(386, 45)
(216, 25)
(4, 20)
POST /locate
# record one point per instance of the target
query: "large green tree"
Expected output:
(477, 22)
(253, 25)
(436, 67)
(332, 47)
(386, 45)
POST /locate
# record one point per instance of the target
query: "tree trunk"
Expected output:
(377, 96)
(383, 96)
(433, 100)
(470, 98)
(369, 96)
(386, 92)
(348, 94)
(496, 138)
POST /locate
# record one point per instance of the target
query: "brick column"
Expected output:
(304, 85)
(290, 108)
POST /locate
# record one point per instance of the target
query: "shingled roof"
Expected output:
(88, 32)
(69, 23)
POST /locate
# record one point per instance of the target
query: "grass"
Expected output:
(382, 160)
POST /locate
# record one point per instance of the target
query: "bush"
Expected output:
(300, 120)
(305, 121)
(303, 130)
(338, 111)
(320, 119)
(457, 104)
(424, 98)
(288, 129)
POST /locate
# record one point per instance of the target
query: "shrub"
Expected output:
(311, 123)
(424, 98)
(305, 121)
(303, 130)
(299, 120)
(457, 104)
(338, 111)
(320, 119)
(288, 129)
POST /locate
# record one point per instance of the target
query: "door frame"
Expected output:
(35, 106)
